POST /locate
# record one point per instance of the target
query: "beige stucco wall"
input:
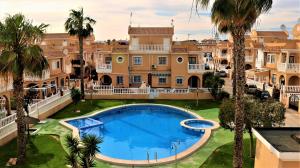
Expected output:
(264, 158)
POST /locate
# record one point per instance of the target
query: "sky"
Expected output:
(113, 16)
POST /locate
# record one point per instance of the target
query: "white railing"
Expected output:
(104, 68)
(6, 83)
(196, 68)
(288, 67)
(150, 47)
(291, 89)
(32, 77)
(110, 90)
(8, 124)
(249, 58)
(260, 85)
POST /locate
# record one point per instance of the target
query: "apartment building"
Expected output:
(150, 58)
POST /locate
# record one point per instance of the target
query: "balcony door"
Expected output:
(192, 60)
(292, 59)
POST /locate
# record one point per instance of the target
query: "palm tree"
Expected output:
(81, 26)
(237, 17)
(21, 54)
(82, 154)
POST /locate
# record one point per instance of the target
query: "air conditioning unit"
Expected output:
(154, 66)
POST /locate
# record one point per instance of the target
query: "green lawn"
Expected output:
(217, 152)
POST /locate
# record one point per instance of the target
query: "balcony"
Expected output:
(249, 58)
(33, 77)
(150, 48)
(196, 68)
(288, 67)
(104, 68)
(6, 84)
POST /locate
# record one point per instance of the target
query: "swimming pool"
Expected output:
(146, 133)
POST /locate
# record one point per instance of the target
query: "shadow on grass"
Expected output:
(222, 157)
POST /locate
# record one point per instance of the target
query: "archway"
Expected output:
(105, 80)
(194, 82)
(281, 81)
(294, 81)
(44, 89)
(294, 102)
(224, 62)
(4, 106)
(53, 87)
(248, 66)
(32, 92)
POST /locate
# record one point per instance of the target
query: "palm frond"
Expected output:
(34, 60)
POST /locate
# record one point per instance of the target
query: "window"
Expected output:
(179, 80)
(162, 80)
(137, 60)
(120, 80)
(55, 64)
(137, 79)
(192, 60)
(162, 60)
(120, 59)
(179, 59)
(271, 58)
(107, 60)
(273, 78)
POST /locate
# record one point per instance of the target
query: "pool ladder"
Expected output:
(155, 156)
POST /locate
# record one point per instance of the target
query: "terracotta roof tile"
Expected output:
(151, 30)
(272, 33)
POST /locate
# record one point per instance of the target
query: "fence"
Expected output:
(8, 124)
(110, 90)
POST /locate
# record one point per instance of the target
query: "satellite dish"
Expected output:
(283, 27)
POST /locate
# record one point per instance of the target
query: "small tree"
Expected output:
(82, 155)
(214, 85)
(257, 114)
(76, 95)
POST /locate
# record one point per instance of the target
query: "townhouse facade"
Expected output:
(150, 58)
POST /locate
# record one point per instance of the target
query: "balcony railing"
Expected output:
(196, 68)
(291, 89)
(104, 68)
(32, 77)
(289, 67)
(249, 58)
(150, 48)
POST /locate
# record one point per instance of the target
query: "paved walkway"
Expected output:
(292, 118)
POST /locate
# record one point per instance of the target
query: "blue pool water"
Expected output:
(130, 132)
(200, 124)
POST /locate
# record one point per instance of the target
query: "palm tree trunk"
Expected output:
(81, 67)
(239, 51)
(21, 141)
(234, 75)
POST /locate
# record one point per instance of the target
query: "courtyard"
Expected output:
(47, 149)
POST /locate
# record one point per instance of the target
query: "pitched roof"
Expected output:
(272, 33)
(151, 30)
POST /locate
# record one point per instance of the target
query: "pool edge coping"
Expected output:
(189, 151)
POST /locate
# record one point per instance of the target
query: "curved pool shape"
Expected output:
(199, 125)
(132, 134)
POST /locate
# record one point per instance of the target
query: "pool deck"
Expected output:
(181, 155)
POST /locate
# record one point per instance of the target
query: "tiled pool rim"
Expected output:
(179, 156)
